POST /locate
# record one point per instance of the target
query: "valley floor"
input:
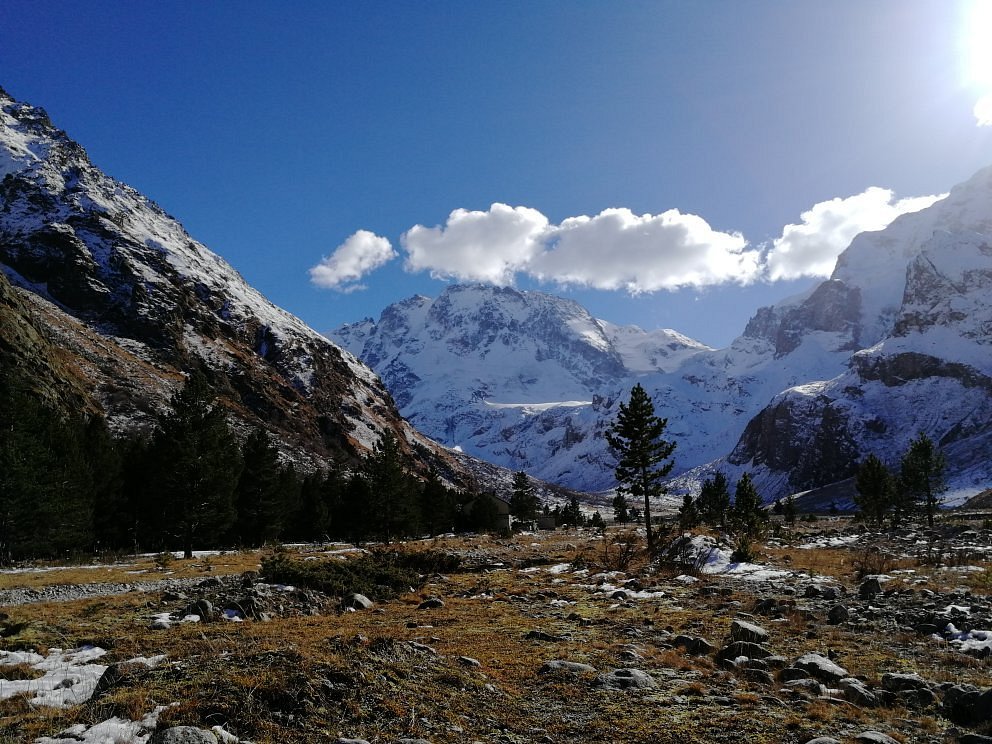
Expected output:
(648, 650)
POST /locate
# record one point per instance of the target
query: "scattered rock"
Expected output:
(875, 737)
(626, 679)
(838, 614)
(869, 588)
(431, 604)
(968, 704)
(693, 645)
(823, 740)
(540, 635)
(743, 648)
(359, 602)
(749, 632)
(821, 667)
(856, 692)
(182, 735)
(899, 682)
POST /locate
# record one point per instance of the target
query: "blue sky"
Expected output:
(280, 132)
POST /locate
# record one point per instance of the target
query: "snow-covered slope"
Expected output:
(895, 342)
(135, 302)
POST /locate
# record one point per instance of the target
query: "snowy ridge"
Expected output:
(894, 343)
(104, 254)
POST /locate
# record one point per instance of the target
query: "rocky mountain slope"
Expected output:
(106, 301)
(894, 343)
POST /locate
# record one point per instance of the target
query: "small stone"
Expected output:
(790, 674)
(626, 679)
(869, 588)
(743, 648)
(182, 735)
(821, 667)
(693, 645)
(823, 740)
(899, 682)
(469, 661)
(359, 602)
(431, 604)
(855, 692)
(540, 635)
(875, 737)
(744, 631)
(838, 614)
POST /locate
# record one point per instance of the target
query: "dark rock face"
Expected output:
(833, 307)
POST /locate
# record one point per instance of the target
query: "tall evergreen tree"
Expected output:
(921, 475)
(258, 496)
(874, 484)
(636, 439)
(572, 513)
(621, 508)
(714, 500)
(437, 505)
(196, 463)
(394, 511)
(688, 514)
(789, 510)
(523, 500)
(747, 513)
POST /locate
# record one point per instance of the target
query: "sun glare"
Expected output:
(979, 58)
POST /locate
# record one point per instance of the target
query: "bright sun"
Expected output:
(979, 64)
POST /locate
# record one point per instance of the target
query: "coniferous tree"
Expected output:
(921, 475)
(437, 505)
(789, 510)
(636, 439)
(688, 513)
(621, 509)
(258, 496)
(196, 462)
(747, 513)
(572, 513)
(111, 523)
(713, 503)
(393, 509)
(523, 500)
(874, 484)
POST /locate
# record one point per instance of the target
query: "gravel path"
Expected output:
(70, 592)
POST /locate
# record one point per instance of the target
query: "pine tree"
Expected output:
(747, 513)
(196, 463)
(572, 513)
(258, 496)
(437, 505)
(714, 500)
(621, 509)
(523, 501)
(789, 510)
(874, 485)
(688, 514)
(636, 440)
(921, 475)
(393, 509)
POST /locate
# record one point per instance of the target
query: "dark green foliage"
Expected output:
(747, 514)
(636, 439)
(379, 575)
(259, 494)
(437, 505)
(688, 514)
(714, 500)
(48, 481)
(572, 513)
(194, 464)
(597, 521)
(392, 509)
(482, 513)
(523, 500)
(874, 484)
(621, 509)
(789, 509)
(921, 475)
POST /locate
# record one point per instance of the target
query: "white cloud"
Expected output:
(811, 247)
(618, 249)
(487, 246)
(361, 253)
(983, 111)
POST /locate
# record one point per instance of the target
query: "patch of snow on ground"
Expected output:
(830, 542)
(978, 642)
(712, 559)
(69, 676)
(112, 731)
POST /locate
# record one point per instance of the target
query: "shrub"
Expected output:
(380, 574)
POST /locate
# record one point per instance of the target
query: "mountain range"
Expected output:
(106, 303)
(896, 342)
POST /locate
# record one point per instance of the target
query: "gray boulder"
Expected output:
(743, 648)
(183, 735)
(838, 614)
(869, 588)
(823, 740)
(856, 692)
(559, 665)
(875, 737)
(821, 667)
(359, 602)
(626, 679)
(744, 631)
(693, 645)
(899, 682)
(968, 704)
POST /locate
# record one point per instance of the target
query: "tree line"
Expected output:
(67, 486)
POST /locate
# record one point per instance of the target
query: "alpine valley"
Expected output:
(896, 342)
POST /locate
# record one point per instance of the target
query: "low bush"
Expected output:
(381, 574)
